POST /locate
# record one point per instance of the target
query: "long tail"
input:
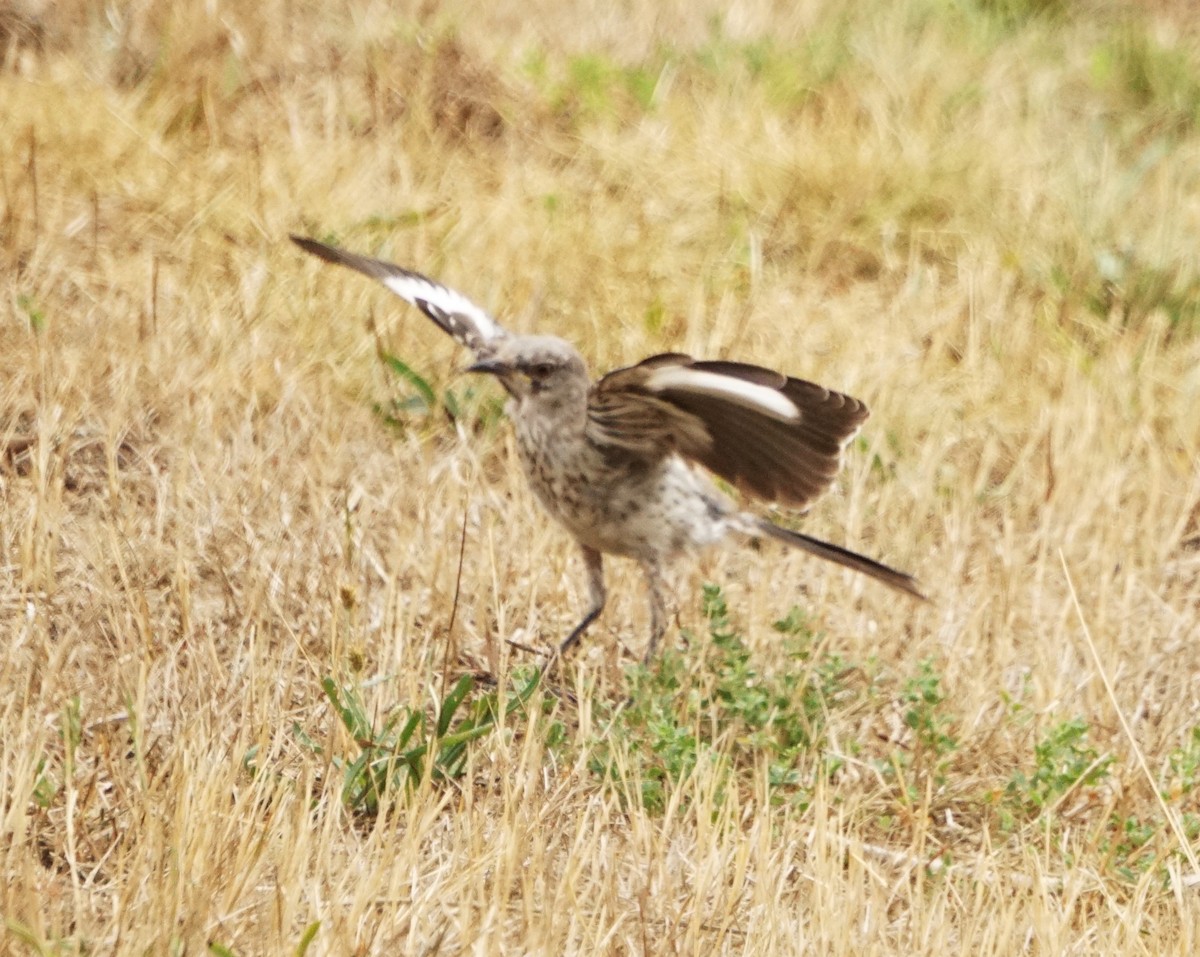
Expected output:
(842, 556)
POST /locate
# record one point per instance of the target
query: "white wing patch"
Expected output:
(760, 398)
(460, 317)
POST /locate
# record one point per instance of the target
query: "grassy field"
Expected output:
(267, 556)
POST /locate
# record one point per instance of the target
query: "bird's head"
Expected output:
(541, 369)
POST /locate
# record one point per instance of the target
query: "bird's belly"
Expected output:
(644, 512)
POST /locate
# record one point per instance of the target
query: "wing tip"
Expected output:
(317, 248)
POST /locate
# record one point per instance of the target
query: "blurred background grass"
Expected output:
(980, 217)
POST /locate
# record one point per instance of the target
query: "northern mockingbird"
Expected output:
(614, 461)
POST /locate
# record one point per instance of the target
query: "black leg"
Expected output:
(658, 607)
(593, 561)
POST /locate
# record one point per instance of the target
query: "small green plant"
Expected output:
(419, 402)
(306, 938)
(1017, 13)
(1063, 761)
(1130, 846)
(789, 74)
(1118, 287)
(33, 314)
(722, 710)
(1183, 765)
(922, 697)
(409, 743)
(591, 87)
(1157, 83)
(928, 756)
(47, 785)
(424, 399)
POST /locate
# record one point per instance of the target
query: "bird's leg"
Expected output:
(658, 606)
(593, 561)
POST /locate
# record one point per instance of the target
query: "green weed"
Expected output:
(1183, 764)
(1152, 83)
(1064, 760)
(721, 709)
(417, 402)
(410, 743)
(306, 938)
(922, 697)
(592, 87)
(33, 313)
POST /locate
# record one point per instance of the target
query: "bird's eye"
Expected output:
(539, 370)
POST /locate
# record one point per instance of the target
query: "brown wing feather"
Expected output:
(625, 420)
(784, 461)
(792, 463)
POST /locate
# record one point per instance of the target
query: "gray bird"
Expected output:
(614, 461)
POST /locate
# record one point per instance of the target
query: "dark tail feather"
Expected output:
(843, 556)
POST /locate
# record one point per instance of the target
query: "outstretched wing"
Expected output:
(772, 436)
(453, 312)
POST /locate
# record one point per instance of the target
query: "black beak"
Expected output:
(490, 366)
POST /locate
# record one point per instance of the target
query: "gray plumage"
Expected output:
(614, 461)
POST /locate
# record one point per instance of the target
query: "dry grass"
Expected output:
(981, 217)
